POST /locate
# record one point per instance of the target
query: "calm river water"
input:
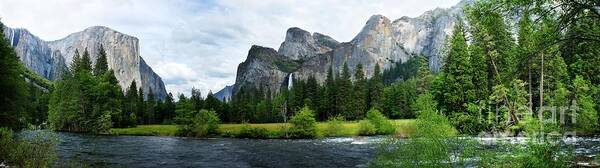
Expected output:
(150, 151)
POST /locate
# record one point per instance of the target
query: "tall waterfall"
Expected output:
(290, 80)
(12, 38)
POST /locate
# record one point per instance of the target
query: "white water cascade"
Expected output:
(12, 38)
(290, 80)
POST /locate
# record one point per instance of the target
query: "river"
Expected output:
(152, 151)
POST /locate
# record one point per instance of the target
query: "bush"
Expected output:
(36, 149)
(466, 124)
(201, 124)
(334, 126)
(366, 128)
(304, 124)
(430, 146)
(249, 132)
(383, 126)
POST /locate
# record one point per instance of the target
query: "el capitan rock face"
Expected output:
(50, 58)
(380, 41)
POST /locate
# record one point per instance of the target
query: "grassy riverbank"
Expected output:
(404, 128)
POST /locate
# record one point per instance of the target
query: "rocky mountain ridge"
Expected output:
(380, 42)
(51, 58)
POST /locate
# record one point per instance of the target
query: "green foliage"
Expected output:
(12, 86)
(538, 153)
(64, 106)
(398, 99)
(458, 89)
(197, 124)
(586, 116)
(431, 145)
(366, 128)
(304, 124)
(36, 149)
(287, 66)
(86, 102)
(401, 71)
(129, 107)
(360, 92)
(330, 95)
(101, 65)
(334, 126)
(381, 123)
(36, 79)
(375, 89)
(344, 102)
(248, 131)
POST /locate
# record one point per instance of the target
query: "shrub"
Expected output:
(35, 149)
(466, 124)
(304, 124)
(201, 124)
(366, 128)
(334, 126)
(382, 125)
(248, 131)
(430, 146)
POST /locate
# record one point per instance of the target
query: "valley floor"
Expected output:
(404, 128)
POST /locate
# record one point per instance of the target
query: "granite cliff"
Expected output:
(50, 58)
(381, 41)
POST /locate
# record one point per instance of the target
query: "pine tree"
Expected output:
(330, 94)
(110, 97)
(526, 54)
(197, 100)
(76, 63)
(140, 107)
(130, 105)
(458, 88)
(64, 106)
(12, 90)
(168, 112)
(150, 112)
(85, 63)
(101, 65)
(86, 84)
(375, 89)
(344, 100)
(311, 90)
(212, 103)
(360, 92)
(586, 118)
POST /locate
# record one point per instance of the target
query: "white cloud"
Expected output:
(192, 43)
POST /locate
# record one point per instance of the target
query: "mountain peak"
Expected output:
(300, 44)
(377, 18)
(377, 25)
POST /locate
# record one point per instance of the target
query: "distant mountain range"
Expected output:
(51, 58)
(381, 41)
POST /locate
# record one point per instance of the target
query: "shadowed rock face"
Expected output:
(379, 42)
(35, 53)
(263, 68)
(50, 58)
(301, 45)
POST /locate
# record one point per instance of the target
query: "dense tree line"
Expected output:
(89, 99)
(492, 81)
(346, 94)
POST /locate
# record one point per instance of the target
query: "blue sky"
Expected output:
(199, 43)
